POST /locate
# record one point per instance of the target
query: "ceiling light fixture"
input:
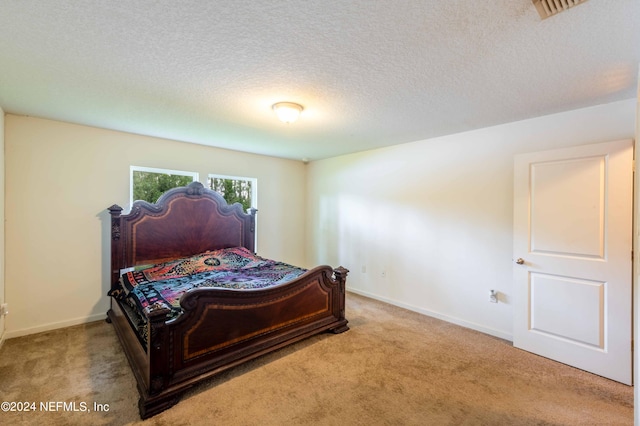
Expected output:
(287, 112)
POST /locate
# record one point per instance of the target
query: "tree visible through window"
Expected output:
(149, 184)
(234, 190)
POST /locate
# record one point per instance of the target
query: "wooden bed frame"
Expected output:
(219, 328)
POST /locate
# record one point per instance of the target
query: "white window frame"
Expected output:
(194, 175)
(254, 198)
(254, 185)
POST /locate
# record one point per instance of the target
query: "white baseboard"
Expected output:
(54, 326)
(447, 318)
(101, 316)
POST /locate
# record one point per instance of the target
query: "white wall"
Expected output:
(60, 178)
(436, 215)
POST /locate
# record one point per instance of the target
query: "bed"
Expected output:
(174, 339)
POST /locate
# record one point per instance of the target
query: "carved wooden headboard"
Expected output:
(184, 221)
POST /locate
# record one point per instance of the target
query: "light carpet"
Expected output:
(394, 367)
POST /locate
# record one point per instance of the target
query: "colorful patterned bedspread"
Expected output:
(233, 268)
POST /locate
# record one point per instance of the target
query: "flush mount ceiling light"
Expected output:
(287, 112)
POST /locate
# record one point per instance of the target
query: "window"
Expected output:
(149, 183)
(236, 189)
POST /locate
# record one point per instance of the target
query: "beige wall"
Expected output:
(60, 178)
(2, 167)
(436, 215)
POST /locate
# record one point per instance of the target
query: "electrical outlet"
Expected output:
(4, 309)
(383, 274)
(364, 269)
(493, 296)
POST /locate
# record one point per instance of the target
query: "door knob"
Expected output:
(520, 261)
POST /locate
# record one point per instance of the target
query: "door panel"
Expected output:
(572, 230)
(567, 207)
(549, 297)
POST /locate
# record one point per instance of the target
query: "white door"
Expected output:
(572, 256)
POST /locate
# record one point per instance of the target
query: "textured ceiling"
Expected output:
(370, 73)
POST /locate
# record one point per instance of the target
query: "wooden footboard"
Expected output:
(223, 328)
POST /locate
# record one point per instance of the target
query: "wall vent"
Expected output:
(547, 8)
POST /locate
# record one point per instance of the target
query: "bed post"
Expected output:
(340, 274)
(251, 245)
(158, 347)
(115, 211)
(154, 401)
